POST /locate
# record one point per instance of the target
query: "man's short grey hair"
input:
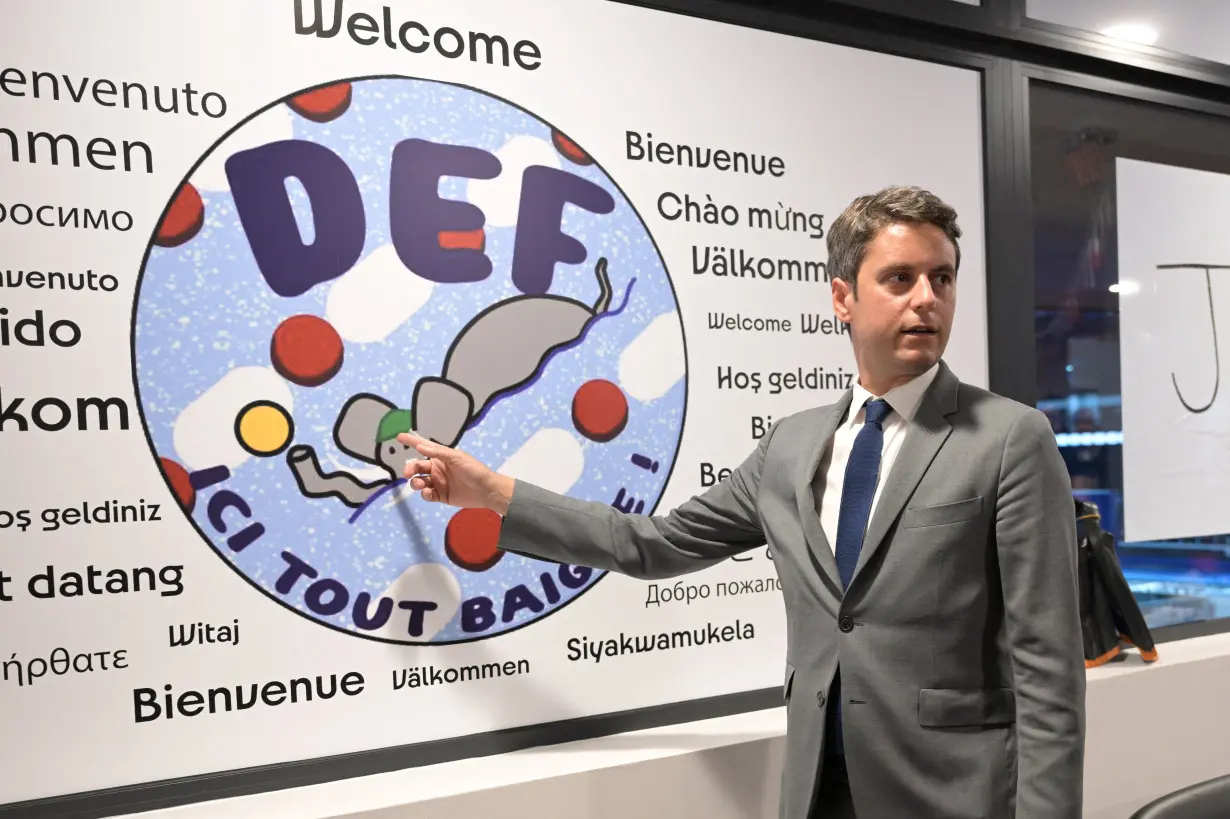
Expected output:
(863, 218)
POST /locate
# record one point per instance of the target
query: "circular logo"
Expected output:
(383, 255)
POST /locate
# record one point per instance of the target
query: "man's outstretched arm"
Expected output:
(702, 531)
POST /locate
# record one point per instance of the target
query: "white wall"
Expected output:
(226, 370)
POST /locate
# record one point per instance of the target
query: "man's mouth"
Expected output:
(920, 331)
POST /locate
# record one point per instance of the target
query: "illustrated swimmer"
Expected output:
(501, 349)
(366, 429)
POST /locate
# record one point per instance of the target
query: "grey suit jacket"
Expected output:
(959, 641)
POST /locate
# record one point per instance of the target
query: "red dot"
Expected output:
(472, 539)
(183, 219)
(181, 485)
(599, 410)
(306, 350)
(570, 149)
(323, 104)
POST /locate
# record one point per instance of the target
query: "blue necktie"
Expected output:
(857, 492)
(858, 488)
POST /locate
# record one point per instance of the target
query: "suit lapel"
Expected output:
(925, 436)
(809, 516)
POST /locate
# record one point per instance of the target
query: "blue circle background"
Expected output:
(203, 308)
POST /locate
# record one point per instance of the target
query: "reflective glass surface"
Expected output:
(1196, 28)
(1076, 138)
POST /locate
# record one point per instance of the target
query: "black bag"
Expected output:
(1110, 616)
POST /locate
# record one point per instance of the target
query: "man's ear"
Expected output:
(843, 297)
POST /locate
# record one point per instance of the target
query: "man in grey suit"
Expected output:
(924, 534)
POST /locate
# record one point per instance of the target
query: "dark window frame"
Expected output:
(1008, 22)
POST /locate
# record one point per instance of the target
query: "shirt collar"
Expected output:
(904, 398)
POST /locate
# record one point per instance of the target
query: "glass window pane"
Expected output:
(1089, 346)
(1196, 28)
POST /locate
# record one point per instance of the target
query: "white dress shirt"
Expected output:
(904, 401)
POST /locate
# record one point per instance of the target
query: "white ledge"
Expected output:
(1128, 762)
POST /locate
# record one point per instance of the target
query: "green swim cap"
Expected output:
(394, 423)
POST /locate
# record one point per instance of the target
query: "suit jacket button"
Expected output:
(845, 624)
(820, 698)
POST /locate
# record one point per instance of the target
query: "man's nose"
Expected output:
(923, 294)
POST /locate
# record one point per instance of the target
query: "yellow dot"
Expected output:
(264, 428)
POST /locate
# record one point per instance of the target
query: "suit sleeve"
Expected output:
(700, 532)
(1035, 532)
